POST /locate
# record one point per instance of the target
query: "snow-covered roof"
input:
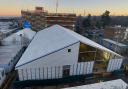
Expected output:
(113, 84)
(7, 53)
(114, 42)
(4, 27)
(52, 39)
(11, 38)
(28, 33)
(1, 69)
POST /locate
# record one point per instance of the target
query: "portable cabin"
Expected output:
(21, 37)
(115, 46)
(57, 52)
(2, 76)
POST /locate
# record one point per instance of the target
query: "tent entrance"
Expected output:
(66, 70)
(101, 58)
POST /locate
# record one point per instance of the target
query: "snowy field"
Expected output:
(114, 84)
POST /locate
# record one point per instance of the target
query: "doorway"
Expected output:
(66, 70)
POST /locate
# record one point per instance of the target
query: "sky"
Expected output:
(83, 7)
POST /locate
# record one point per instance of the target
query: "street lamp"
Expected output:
(57, 6)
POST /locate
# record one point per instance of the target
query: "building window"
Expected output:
(69, 50)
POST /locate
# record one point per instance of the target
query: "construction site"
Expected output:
(41, 18)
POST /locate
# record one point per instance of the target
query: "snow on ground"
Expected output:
(114, 84)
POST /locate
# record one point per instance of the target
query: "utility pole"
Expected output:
(57, 6)
(125, 34)
(84, 12)
(117, 40)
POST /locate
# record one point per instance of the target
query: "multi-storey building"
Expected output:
(40, 19)
(36, 18)
(64, 19)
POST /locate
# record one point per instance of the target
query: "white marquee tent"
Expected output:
(16, 38)
(49, 49)
(52, 39)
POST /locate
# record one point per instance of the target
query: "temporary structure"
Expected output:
(54, 47)
(19, 37)
(9, 55)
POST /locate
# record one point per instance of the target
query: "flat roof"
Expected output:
(7, 53)
(114, 42)
(4, 27)
(114, 84)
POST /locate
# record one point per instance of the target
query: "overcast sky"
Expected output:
(94, 7)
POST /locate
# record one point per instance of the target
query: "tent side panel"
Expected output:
(55, 72)
(82, 68)
(114, 64)
(51, 65)
(58, 58)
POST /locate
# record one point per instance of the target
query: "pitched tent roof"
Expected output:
(87, 41)
(113, 84)
(115, 43)
(28, 33)
(52, 39)
(45, 42)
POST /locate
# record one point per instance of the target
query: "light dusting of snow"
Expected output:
(114, 84)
